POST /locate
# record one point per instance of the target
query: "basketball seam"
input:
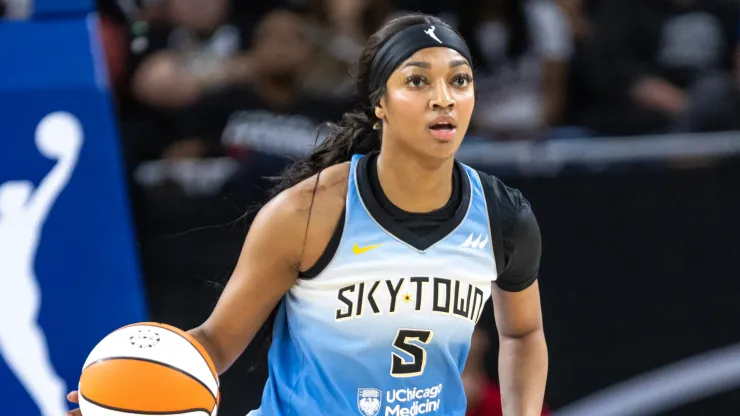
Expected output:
(162, 326)
(206, 359)
(160, 363)
(148, 412)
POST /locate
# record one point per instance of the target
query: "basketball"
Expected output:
(149, 369)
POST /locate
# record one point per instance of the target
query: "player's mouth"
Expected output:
(443, 127)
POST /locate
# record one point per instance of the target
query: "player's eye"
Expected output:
(415, 81)
(462, 80)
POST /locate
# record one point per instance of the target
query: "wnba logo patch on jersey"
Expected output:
(369, 401)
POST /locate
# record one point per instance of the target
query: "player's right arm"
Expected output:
(289, 234)
(267, 268)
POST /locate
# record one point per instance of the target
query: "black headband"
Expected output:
(407, 42)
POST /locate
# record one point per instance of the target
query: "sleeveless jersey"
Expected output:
(385, 327)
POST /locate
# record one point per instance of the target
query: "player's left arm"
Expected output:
(523, 357)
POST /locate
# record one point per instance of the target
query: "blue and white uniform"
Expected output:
(384, 327)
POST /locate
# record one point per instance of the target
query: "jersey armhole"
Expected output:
(329, 251)
(494, 220)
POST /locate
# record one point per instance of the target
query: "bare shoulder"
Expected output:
(319, 192)
(310, 211)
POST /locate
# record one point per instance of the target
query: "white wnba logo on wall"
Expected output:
(431, 34)
(23, 211)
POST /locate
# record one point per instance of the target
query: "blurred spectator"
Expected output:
(113, 41)
(736, 67)
(355, 19)
(339, 29)
(483, 394)
(181, 49)
(521, 49)
(578, 21)
(669, 69)
(271, 108)
(178, 53)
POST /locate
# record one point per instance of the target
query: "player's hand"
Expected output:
(659, 94)
(74, 398)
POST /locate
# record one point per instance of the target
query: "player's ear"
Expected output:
(380, 110)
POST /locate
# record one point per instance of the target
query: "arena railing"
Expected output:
(532, 156)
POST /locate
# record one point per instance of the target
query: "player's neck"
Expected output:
(414, 186)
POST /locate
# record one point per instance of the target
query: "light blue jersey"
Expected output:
(385, 328)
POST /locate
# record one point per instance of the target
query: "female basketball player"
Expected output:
(380, 250)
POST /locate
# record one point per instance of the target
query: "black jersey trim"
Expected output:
(398, 231)
(494, 221)
(517, 287)
(504, 205)
(331, 249)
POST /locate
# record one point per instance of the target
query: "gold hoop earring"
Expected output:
(377, 125)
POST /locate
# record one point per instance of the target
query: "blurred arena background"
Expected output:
(135, 134)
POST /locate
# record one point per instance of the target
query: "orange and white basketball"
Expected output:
(149, 369)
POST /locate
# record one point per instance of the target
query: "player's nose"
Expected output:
(442, 98)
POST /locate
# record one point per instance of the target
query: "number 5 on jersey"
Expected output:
(400, 367)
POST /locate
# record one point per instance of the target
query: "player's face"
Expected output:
(428, 102)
